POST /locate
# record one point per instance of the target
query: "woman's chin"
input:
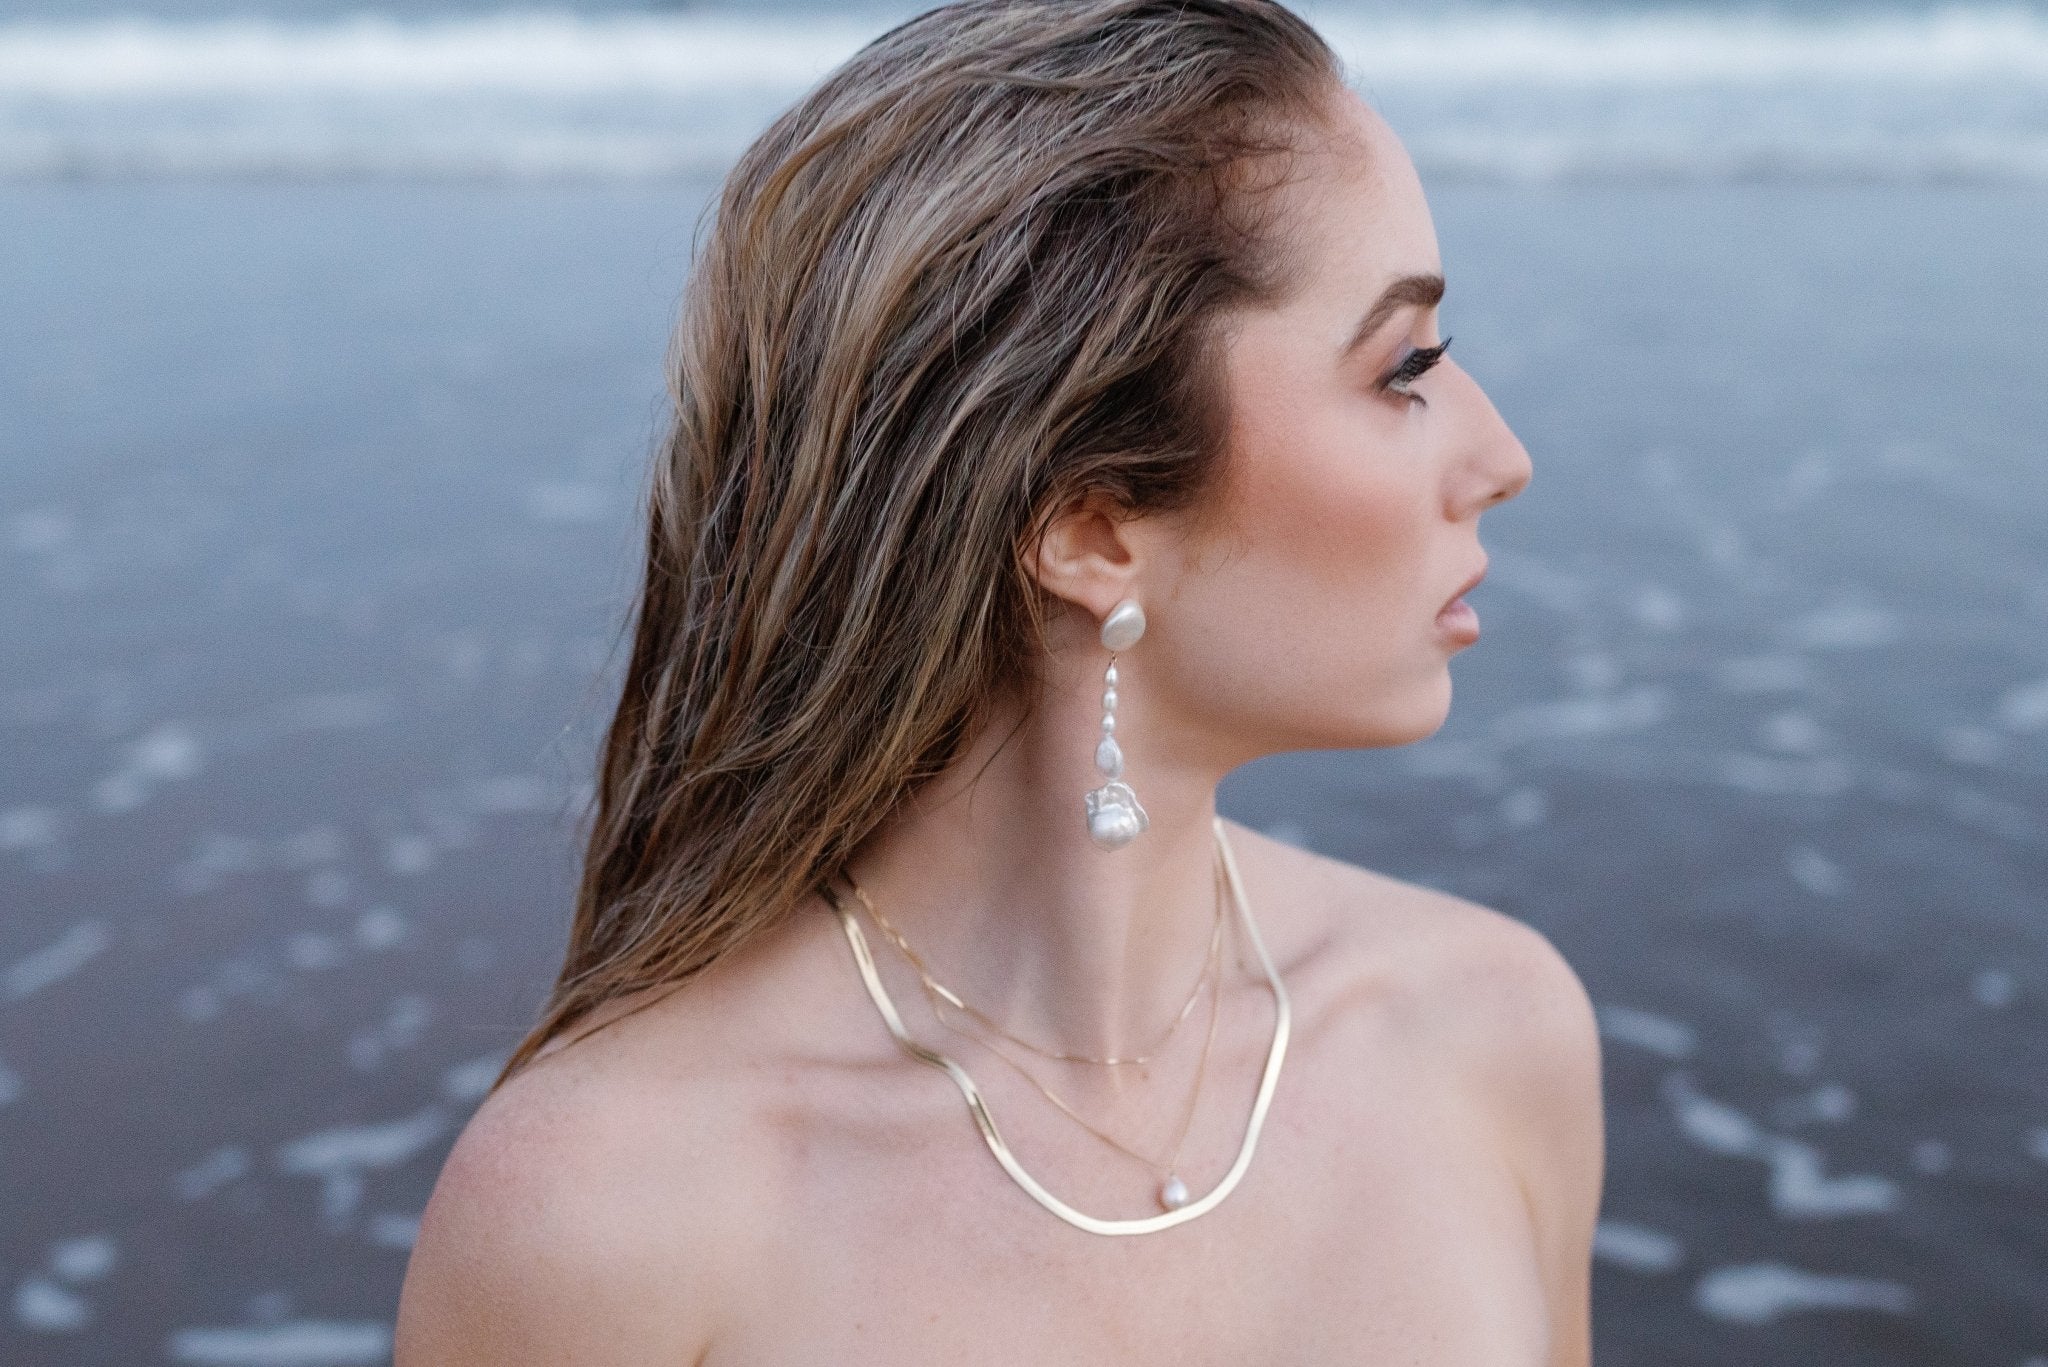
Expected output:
(1428, 713)
(1389, 723)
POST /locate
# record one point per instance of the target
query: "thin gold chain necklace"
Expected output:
(937, 991)
(985, 1122)
(1173, 1192)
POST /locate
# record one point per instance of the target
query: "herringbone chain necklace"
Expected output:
(1173, 1192)
(985, 1122)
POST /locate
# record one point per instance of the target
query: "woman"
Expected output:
(1059, 372)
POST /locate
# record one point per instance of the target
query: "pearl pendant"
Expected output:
(1173, 1194)
(1115, 818)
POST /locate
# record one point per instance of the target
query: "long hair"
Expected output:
(976, 275)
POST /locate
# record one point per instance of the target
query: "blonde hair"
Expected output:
(974, 276)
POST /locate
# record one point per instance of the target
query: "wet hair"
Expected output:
(976, 276)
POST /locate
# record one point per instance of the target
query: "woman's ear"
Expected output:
(1086, 556)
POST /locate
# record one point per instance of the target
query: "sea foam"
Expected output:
(1516, 95)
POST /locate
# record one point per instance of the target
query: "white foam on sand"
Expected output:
(1657, 607)
(1660, 1035)
(30, 828)
(300, 1343)
(41, 529)
(405, 1020)
(1524, 808)
(1815, 872)
(55, 962)
(1847, 626)
(387, 1229)
(42, 1305)
(216, 857)
(226, 1164)
(380, 928)
(2025, 707)
(1636, 1248)
(1800, 1187)
(469, 1082)
(1793, 732)
(1993, 988)
(1829, 1103)
(86, 1258)
(314, 952)
(342, 1155)
(406, 855)
(1757, 1293)
(167, 753)
(509, 795)
(2010, 820)
(1974, 745)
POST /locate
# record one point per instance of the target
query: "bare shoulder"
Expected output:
(1494, 987)
(588, 1213)
(1489, 1005)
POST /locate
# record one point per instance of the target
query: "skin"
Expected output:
(750, 1170)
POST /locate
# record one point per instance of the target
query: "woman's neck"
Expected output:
(989, 873)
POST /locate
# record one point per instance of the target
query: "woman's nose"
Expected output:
(1497, 466)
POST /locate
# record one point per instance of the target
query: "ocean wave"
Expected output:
(1958, 94)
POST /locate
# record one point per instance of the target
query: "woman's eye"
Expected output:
(1412, 367)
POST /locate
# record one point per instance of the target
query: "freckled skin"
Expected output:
(749, 1171)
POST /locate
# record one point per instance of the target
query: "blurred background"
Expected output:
(330, 365)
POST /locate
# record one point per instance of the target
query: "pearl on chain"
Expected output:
(1174, 1193)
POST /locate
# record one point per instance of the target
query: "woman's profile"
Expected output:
(1060, 423)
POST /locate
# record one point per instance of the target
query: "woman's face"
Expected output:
(1312, 616)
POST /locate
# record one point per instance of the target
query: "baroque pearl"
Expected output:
(1124, 625)
(1114, 817)
(1174, 1194)
(1113, 827)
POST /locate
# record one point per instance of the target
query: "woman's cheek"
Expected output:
(1358, 514)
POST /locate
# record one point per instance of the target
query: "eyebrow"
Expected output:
(1423, 291)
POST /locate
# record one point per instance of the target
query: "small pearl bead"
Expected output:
(1109, 699)
(1108, 723)
(1109, 677)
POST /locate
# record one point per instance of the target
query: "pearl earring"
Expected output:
(1114, 817)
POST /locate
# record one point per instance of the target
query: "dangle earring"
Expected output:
(1114, 817)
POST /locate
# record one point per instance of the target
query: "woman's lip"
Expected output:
(1458, 619)
(1468, 585)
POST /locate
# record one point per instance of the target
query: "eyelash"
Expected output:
(1412, 367)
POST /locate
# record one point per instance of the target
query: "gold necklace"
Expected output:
(937, 991)
(1276, 1053)
(1173, 1192)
